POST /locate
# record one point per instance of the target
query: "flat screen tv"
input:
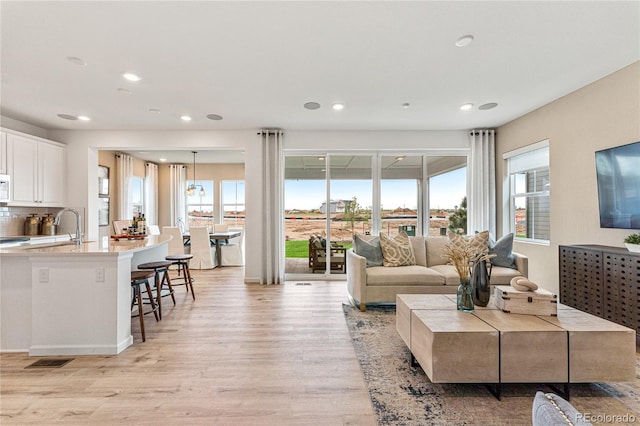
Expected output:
(618, 174)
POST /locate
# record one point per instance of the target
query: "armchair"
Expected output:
(318, 255)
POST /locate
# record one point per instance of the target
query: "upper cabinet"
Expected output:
(36, 167)
(3, 153)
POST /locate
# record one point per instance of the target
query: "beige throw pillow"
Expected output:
(397, 251)
(479, 243)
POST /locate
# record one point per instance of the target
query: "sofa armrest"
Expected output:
(522, 263)
(356, 276)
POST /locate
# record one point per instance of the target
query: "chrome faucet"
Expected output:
(78, 238)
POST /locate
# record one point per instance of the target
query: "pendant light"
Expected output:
(191, 189)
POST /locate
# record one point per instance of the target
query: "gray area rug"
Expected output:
(403, 395)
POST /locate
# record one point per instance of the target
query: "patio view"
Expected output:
(347, 208)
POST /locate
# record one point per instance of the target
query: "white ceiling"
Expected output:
(257, 63)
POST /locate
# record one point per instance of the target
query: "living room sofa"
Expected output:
(430, 275)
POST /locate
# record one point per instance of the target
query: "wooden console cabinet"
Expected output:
(603, 281)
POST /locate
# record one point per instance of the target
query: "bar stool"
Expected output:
(137, 279)
(159, 267)
(182, 262)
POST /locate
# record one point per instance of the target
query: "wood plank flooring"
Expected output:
(239, 354)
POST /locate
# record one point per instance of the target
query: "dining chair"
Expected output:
(153, 230)
(232, 253)
(176, 245)
(201, 248)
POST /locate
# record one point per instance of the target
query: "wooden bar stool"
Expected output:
(137, 279)
(182, 262)
(160, 267)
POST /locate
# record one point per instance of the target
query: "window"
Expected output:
(137, 196)
(529, 192)
(233, 202)
(200, 207)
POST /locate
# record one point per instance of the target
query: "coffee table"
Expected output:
(491, 347)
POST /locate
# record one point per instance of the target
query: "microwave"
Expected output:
(5, 188)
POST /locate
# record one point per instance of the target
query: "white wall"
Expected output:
(603, 114)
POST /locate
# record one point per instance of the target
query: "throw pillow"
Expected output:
(502, 249)
(370, 250)
(479, 243)
(397, 251)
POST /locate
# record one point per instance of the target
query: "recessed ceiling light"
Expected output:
(320, 158)
(185, 118)
(154, 110)
(68, 116)
(312, 105)
(490, 105)
(143, 152)
(124, 91)
(406, 105)
(464, 41)
(131, 76)
(399, 158)
(83, 118)
(77, 61)
(163, 159)
(338, 106)
(466, 107)
(215, 117)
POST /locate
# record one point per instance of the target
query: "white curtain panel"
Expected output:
(272, 268)
(151, 193)
(177, 194)
(124, 169)
(481, 205)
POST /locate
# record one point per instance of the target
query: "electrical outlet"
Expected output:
(43, 276)
(100, 275)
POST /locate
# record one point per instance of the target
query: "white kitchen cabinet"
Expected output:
(3, 153)
(36, 168)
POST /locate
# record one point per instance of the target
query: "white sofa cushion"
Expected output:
(419, 250)
(435, 250)
(403, 275)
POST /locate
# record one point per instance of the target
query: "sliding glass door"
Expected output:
(329, 197)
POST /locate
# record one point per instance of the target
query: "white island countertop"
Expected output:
(60, 298)
(104, 245)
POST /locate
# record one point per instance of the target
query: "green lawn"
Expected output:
(300, 248)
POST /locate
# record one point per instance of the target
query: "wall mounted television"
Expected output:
(618, 176)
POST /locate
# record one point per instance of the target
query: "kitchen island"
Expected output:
(68, 299)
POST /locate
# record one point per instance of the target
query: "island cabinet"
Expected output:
(36, 167)
(603, 281)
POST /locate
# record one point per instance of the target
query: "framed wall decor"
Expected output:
(103, 211)
(103, 181)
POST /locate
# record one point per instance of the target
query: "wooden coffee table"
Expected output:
(491, 347)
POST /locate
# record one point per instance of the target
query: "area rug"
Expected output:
(403, 395)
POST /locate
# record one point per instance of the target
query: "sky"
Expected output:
(446, 191)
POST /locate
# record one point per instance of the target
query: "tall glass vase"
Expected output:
(465, 296)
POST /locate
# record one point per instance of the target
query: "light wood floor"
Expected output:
(238, 354)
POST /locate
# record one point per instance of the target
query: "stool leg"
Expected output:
(165, 278)
(153, 304)
(187, 275)
(140, 311)
(158, 285)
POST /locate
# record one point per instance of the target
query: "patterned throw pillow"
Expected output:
(397, 251)
(479, 242)
(370, 250)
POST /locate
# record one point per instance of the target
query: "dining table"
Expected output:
(216, 239)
